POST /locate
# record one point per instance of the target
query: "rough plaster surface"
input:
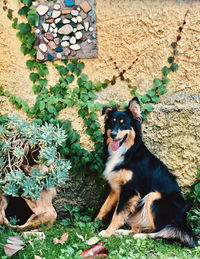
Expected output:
(128, 30)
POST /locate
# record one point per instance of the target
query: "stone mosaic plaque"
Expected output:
(66, 30)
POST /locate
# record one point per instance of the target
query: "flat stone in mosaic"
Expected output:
(56, 13)
(69, 2)
(39, 55)
(75, 47)
(42, 9)
(85, 6)
(66, 31)
(43, 47)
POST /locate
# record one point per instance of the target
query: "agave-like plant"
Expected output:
(29, 160)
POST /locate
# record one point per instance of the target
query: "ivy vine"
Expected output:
(52, 99)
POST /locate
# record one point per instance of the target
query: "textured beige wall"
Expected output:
(126, 30)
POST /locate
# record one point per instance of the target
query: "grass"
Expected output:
(118, 247)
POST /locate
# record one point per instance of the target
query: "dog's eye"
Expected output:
(122, 122)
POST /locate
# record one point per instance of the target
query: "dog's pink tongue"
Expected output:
(115, 145)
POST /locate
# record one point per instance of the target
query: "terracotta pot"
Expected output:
(29, 213)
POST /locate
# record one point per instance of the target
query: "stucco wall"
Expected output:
(126, 30)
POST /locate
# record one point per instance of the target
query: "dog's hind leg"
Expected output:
(108, 204)
(120, 216)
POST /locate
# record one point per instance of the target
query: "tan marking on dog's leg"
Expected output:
(108, 204)
(118, 219)
(144, 219)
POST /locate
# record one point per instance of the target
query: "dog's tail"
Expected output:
(183, 235)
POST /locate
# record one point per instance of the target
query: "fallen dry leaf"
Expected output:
(62, 240)
(15, 240)
(79, 236)
(34, 233)
(92, 241)
(12, 249)
(37, 257)
(96, 251)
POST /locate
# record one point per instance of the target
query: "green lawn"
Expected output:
(118, 247)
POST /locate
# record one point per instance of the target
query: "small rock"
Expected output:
(91, 13)
(94, 36)
(66, 38)
(78, 9)
(43, 47)
(56, 14)
(73, 53)
(72, 40)
(55, 35)
(35, 4)
(56, 7)
(51, 29)
(75, 30)
(37, 31)
(57, 20)
(56, 41)
(48, 35)
(49, 57)
(65, 44)
(52, 45)
(91, 29)
(45, 40)
(59, 49)
(68, 16)
(42, 9)
(80, 27)
(83, 15)
(93, 19)
(79, 19)
(59, 55)
(75, 47)
(59, 24)
(65, 21)
(66, 29)
(78, 35)
(85, 6)
(74, 12)
(86, 25)
(65, 11)
(67, 52)
(39, 55)
(49, 13)
(37, 41)
(53, 25)
(74, 20)
(69, 2)
(49, 20)
(55, 30)
(89, 41)
(84, 38)
(45, 26)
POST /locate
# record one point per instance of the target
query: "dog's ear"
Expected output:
(106, 109)
(134, 108)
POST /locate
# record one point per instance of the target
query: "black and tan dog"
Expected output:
(145, 193)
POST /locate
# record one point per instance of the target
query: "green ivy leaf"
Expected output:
(15, 23)
(24, 49)
(43, 82)
(23, 11)
(82, 113)
(145, 98)
(70, 78)
(31, 64)
(162, 89)
(156, 99)
(165, 80)
(69, 102)
(24, 28)
(36, 89)
(28, 2)
(174, 67)
(33, 52)
(43, 71)
(84, 77)
(165, 71)
(157, 82)
(34, 77)
(151, 92)
(170, 60)
(93, 116)
(33, 17)
(62, 70)
(98, 106)
(147, 107)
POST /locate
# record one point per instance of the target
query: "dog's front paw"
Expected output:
(104, 233)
